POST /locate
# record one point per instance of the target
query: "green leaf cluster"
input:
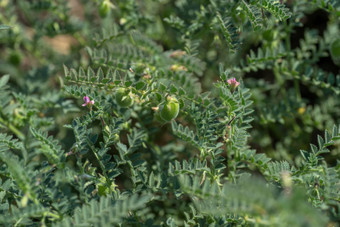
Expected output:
(73, 154)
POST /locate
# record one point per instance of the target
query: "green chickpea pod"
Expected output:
(124, 97)
(104, 8)
(169, 109)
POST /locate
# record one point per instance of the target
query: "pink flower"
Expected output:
(88, 102)
(233, 84)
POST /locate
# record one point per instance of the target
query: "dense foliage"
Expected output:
(170, 113)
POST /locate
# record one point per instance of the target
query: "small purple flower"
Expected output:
(88, 102)
(233, 84)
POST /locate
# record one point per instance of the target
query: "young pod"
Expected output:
(169, 109)
(124, 97)
(104, 8)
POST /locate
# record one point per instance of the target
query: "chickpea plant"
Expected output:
(151, 122)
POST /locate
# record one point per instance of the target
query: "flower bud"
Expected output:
(233, 84)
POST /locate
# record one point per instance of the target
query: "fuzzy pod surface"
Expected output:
(169, 110)
(124, 97)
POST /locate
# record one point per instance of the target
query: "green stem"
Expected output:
(108, 181)
(257, 221)
(289, 58)
(50, 214)
(297, 89)
(11, 127)
(18, 222)
(317, 193)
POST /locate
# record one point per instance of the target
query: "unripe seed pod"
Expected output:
(104, 8)
(159, 118)
(169, 110)
(123, 97)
